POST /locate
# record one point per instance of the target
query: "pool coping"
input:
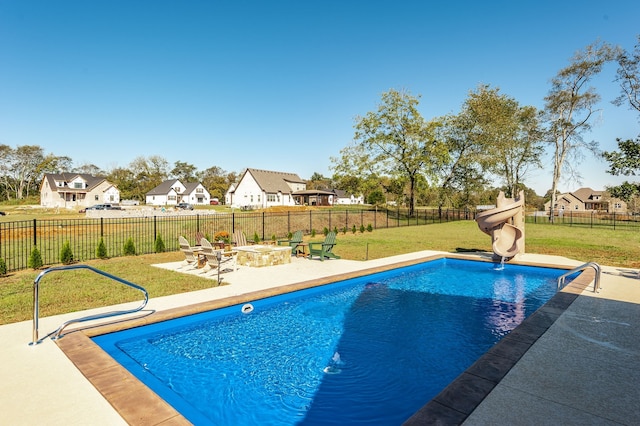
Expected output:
(138, 404)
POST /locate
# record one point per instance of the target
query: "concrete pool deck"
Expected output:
(583, 369)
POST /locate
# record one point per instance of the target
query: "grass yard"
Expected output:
(78, 290)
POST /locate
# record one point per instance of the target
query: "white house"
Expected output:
(264, 188)
(76, 190)
(342, 197)
(172, 192)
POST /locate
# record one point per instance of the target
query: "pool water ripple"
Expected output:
(374, 349)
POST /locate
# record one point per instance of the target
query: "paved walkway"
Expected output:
(583, 370)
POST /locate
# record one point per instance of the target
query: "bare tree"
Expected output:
(628, 76)
(570, 106)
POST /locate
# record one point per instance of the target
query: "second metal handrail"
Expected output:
(56, 333)
(594, 265)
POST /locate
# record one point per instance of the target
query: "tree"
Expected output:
(628, 76)
(217, 181)
(504, 137)
(148, 173)
(395, 141)
(569, 108)
(184, 171)
(20, 167)
(626, 161)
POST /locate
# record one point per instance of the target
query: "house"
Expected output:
(342, 197)
(588, 200)
(74, 190)
(171, 192)
(263, 188)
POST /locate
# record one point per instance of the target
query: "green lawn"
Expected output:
(77, 290)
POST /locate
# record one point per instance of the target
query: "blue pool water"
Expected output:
(368, 350)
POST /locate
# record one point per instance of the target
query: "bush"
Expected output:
(3, 267)
(325, 231)
(222, 236)
(354, 229)
(289, 235)
(256, 238)
(129, 248)
(35, 259)
(313, 233)
(159, 245)
(101, 250)
(344, 229)
(66, 255)
(369, 228)
(362, 228)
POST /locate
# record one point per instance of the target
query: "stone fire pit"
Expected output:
(258, 256)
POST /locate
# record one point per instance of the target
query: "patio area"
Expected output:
(583, 370)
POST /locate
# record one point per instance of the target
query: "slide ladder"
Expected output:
(594, 265)
(56, 333)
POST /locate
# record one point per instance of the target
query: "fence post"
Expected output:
(35, 229)
(101, 226)
(197, 223)
(155, 227)
(263, 238)
(288, 222)
(375, 217)
(233, 222)
(329, 220)
(614, 221)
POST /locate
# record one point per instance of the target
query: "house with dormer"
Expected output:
(173, 191)
(588, 200)
(76, 190)
(264, 188)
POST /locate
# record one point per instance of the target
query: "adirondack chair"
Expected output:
(191, 259)
(325, 248)
(218, 259)
(239, 239)
(295, 240)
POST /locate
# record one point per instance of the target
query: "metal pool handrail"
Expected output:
(56, 333)
(594, 265)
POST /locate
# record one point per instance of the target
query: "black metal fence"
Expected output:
(593, 219)
(18, 239)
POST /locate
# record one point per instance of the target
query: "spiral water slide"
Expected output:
(507, 238)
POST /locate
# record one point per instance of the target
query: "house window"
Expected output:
(618, 205)
(251, 198)
(77, 185)
(576, 207)
(258, 197)
(96, 197)
(199, 190)
(271, 198)
(171, 197)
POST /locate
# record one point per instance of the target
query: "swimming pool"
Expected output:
(375, 348)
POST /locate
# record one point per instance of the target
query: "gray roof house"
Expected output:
(588, 200)
(171, 192)
(76, 190)
(264, 188)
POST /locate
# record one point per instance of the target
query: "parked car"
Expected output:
(101, 207)
(184, 206)
(3, 214)
(214, 202)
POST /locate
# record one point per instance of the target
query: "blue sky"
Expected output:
(277, 85)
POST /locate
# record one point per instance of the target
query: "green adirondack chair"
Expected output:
(325, 248)
(296, 239)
